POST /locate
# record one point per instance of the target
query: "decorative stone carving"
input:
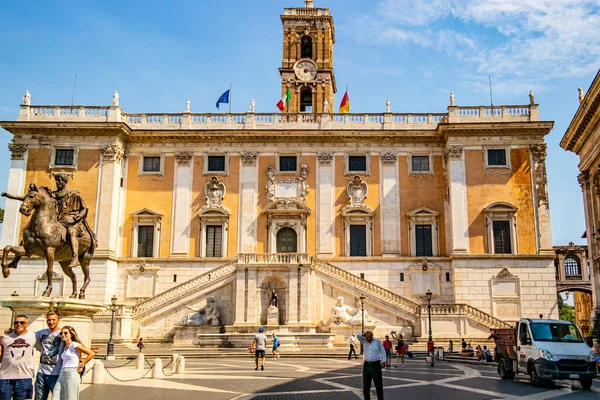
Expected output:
(187, 106)
(538, 152)
(27, 98)
(342, 314)
(452, 103)
(184, 157)
(112, 152)
(505, 274)
(324, 157)
(388, 106)
(116, 99)
(208, 315)
(249, 158)
(357, 191)
(270, 187)
(302, 185)
(531, 97)
(17, 151)
(389, 158)
(252, 105)
(584, 180)
(454, 152)
(214, 192)
(597, 182)
(581, 96)
(325, 106)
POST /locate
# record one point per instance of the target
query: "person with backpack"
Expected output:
(276, 345)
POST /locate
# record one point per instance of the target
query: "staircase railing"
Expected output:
(185, 289)
(362, 284)
(471, 313)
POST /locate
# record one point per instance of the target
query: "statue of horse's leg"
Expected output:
(85, 261)
(19, 252)
(49, 270)
(71, 274)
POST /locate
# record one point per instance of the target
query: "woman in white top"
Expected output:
(67, 386)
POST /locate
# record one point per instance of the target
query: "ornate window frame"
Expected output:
(499, 300)
(298, 163)
(423, 216)
(205, 170)
(213, 216)
(286, 212)
(409, 163)
(501, 211)
(367, 156)
(160, 172)
(358, 215)
(67, 168)
(145, 217)
(497, 169)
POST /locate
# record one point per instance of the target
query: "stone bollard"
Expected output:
(98, 372)
(140, 361)
(174, 358)
(157, 371)
(180, 365)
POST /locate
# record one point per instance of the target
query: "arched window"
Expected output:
(306, 100)
(287, 241)
(572, 268)
(306, 47)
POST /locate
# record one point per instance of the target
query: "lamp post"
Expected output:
(110, 350)
(362, 310)
(429, 294)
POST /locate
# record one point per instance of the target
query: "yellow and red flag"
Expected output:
(345, 104)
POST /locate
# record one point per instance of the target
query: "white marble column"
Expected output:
(305, 294)
(248, 204)
(16, 186)
(107, 214)
(390, 205)
(538, 157)
(240, 297)
(458, 200)
(252, 315)
(293, 298)
(182, 205)
(326, 204)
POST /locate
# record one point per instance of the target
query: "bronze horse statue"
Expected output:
(45, 237)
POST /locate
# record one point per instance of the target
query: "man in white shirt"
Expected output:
(374, 361)
(259, 346)
(17, 349)
(352, 348)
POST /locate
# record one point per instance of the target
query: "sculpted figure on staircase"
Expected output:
(342, 314)
(206, 316)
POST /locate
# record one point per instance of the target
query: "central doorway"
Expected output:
(287, 241)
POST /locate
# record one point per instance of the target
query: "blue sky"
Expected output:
(157, 54)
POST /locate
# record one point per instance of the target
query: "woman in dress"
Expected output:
(67, 386)
(400, 349)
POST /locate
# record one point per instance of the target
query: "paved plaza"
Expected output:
(288, 378)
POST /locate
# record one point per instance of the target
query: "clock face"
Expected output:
(305, 70)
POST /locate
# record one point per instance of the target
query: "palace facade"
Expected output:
(310, 203)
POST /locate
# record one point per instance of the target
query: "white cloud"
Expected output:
(521, 40)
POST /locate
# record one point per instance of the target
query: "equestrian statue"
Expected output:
(57, 231)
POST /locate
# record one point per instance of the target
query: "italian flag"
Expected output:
(345, 104)
(285, 100)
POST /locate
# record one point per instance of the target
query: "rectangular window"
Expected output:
(174, 278)
(214, 240)
(502, 243)
(358, 240)
(64, 157)
(423, 242)
(496, 157)
(447, 276)
(151, 164)
(420, 163)
(401, 276)
(362, 275)
(287, 164)
(145, 241)
(216, 163)
(357, 163)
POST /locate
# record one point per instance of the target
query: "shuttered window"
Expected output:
(423, 242)
(214, 241)
(145, 241)
(358, 240)
(502, 243)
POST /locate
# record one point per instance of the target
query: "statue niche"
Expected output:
(273, 302)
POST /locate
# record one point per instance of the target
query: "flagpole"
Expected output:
(230, 98)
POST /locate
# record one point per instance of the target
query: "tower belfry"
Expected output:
(307, 64)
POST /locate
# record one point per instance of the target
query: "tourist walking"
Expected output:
(17, 349)
(49, 344)
(400, 349)
(450, 347)
(387, 346)
(374, 361)
(463, 344)
(431, 350)
(67, 386)
(140, 345)
(275, 346)
(352, 347)
(259, 347)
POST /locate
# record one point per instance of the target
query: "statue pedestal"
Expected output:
(342, 333)
(73, 312)
(188, 335)
(272, 316)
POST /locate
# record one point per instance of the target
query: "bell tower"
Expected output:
(307, 64)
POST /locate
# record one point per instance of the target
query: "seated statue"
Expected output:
(342, 314)
(206, 316)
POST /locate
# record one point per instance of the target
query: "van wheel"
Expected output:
(586, 383)
(534, 378)
(505, 373)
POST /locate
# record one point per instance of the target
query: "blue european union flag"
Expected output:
(223, 99)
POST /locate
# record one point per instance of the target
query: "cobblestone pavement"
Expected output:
(322, 379)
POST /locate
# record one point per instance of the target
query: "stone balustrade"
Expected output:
(274, 258)
(469, 312)
(279, 121)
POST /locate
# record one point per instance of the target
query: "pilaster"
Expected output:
(252, 307)
(325, 204)
(390, 205)
(305, 294)
(16, 186)
(538, 157)
(458, 200)
(248, 205)
(240, 297)
(182, 205)
(293, 296)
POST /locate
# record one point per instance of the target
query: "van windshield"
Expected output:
(555, 332)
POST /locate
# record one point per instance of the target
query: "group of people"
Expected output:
(259, 348)
(62, 361)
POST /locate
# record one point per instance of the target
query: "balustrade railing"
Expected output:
(274, 258)
(471, 313)
(183, 290)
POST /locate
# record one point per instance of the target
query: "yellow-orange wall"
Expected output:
(514, 188)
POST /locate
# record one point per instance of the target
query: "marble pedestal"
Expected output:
(73, 312)
(272, 316)
(342, 332)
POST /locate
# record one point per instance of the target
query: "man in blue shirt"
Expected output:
(374, 361)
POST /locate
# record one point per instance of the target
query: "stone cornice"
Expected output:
(540, 128)
(585, 119)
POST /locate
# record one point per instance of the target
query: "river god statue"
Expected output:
(206, 316)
